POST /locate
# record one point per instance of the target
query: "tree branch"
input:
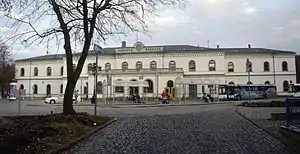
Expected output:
(67, 38)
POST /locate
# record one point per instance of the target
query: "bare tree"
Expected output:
(6, 66)
(80, 20)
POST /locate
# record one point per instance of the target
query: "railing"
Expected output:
(293, 112)
(142, 71)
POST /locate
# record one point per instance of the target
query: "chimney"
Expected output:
(249, 45)
(218, 46)
(123, 44)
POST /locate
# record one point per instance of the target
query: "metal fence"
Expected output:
(293, 112)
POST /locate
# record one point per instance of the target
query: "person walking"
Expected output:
(164, 97)
(76, 96)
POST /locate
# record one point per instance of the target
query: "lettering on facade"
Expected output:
(139, 47)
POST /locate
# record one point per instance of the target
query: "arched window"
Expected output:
(285, 86)
(267, 82)
(99, 87)
(61, 88)
(192, 66)
(62, 71)
(48, 89)
(21, 86)
(49, 71)
(119, 89)
(139, 65)
(150, 88)
(266, 66)
(170, 83)
(172, 65)
(90, 67)
(124, 66)
(249, 67)
(35, 71)
(231, 82)
(230, 67)
(284, 66)
(22, 72)
(153, 65)
(35, 89)
(107, 66)
(249, 82)
(212, 65)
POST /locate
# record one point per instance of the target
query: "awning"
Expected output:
(118, 83)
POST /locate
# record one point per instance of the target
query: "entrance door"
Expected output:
(133, 90)
(192, 91)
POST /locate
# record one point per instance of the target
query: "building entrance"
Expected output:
(192, 91)
(133, 90)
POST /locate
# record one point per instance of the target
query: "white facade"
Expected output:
(183, 56)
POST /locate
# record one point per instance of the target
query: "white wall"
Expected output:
(202, 58)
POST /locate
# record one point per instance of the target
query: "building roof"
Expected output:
(44, 57)
(252, 50)
(169, 48)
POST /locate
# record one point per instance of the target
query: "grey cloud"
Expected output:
(229, 25)
(268, 23)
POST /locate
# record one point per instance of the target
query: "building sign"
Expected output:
(139, 47)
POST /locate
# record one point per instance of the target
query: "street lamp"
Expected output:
(94, 69)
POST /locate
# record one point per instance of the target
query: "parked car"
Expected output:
(54, 100)
(12, 98)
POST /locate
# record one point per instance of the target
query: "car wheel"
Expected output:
(238, 97)
(52, 102)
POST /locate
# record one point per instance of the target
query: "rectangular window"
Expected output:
(119, 89)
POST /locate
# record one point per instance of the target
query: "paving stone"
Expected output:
(211, 132)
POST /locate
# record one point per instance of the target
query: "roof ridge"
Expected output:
(167, 48)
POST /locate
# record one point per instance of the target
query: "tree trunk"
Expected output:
(68, 98)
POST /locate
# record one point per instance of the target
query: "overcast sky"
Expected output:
(228, 23)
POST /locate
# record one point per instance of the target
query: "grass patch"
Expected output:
(40, 134)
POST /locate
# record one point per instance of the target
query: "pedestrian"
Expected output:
(93, 99)
(76, 96)
(164, 97)
(138, 98)
(205, 98)
(133, 97)
(210, 98)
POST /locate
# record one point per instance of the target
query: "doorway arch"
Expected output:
(133, 90)
(170, 83)
(48, 89)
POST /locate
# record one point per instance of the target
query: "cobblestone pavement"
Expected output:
(207, 132)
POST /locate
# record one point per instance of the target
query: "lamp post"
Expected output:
(249, 68)
(94, 69)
